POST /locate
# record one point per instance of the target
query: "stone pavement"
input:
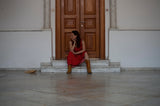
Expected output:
(131, 88)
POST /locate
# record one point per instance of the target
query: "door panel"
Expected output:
(90, 26)
(91, 40)
(81, 15)
(69, 22)
(89, 7)
(69, 7)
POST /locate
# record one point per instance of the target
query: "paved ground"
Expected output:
(132, 88)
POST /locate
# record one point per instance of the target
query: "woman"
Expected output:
(77, 53)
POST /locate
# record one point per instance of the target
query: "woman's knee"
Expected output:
(86, 56)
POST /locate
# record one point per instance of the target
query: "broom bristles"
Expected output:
(30, 71)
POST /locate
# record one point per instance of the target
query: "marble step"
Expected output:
(63, 63)
(112, 67)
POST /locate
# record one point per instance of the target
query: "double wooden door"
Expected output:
(83, 16)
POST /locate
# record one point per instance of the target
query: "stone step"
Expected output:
(47, 67)
(63, 63)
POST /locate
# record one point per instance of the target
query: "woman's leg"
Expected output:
(88, 63)
(69, 62)
(69, 58)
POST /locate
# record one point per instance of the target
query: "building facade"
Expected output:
(28, 32)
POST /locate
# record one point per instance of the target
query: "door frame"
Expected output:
(58, 30)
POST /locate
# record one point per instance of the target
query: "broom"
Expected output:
(30, 71)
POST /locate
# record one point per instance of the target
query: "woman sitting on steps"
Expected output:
(77, 53)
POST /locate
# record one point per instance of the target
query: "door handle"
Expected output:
(82, 25)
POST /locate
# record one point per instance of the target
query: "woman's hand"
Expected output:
(74, 52)
(74, 41)
(72, 46)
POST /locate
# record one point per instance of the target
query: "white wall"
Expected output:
(135, 48)
(24, 49)
(138, 14)
(21, 14)
(29, 47)
(135, 42)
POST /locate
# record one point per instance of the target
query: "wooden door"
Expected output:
(81, 15)
(69, 22)
(89, 26)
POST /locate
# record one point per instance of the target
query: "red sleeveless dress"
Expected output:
(76, 59)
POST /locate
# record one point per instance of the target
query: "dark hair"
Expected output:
(78, 38)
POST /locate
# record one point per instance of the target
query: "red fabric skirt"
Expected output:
(75, 59)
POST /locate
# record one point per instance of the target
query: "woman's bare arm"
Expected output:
(71, 47)
(83, 48)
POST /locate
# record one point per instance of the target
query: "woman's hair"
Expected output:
(78, 38)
